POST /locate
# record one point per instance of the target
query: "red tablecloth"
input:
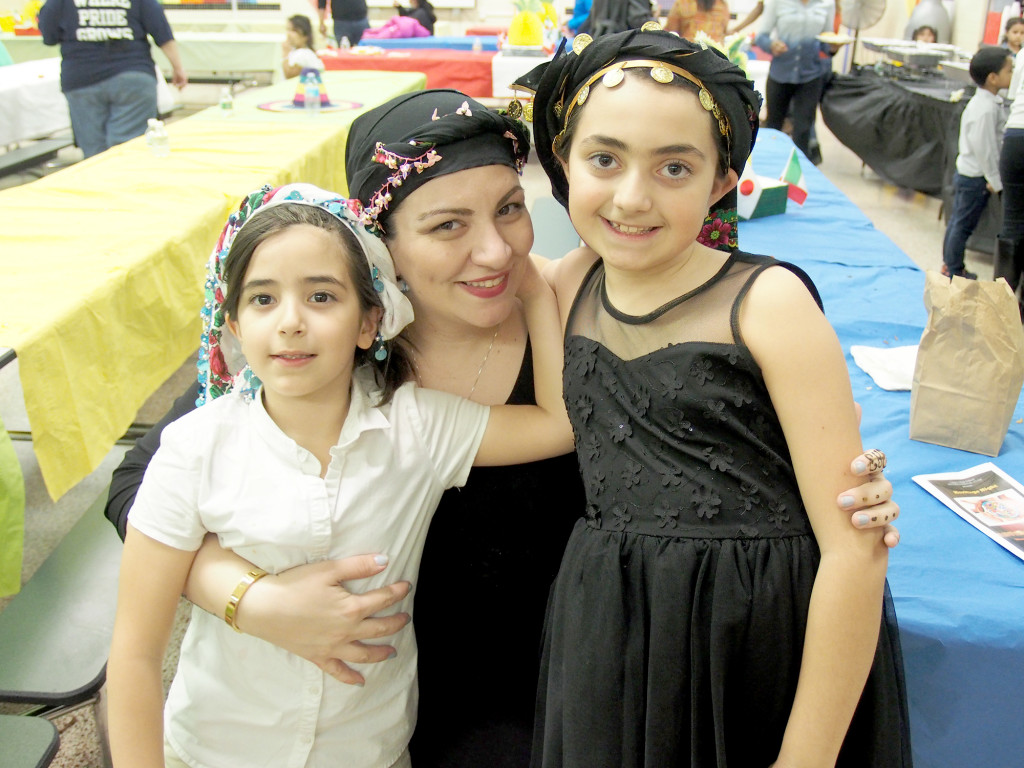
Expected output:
(484, 30)
(466, 71)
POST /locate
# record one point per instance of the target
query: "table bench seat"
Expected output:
(31, 155)
(28, 742)
(55, 634)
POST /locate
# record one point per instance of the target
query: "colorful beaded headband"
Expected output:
(403, 166)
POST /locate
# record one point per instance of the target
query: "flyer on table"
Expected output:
(987, 498)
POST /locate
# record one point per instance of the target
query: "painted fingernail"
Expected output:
(860, 466)
(392, 654)
(846, 501)
(380, 559)
(862, 520)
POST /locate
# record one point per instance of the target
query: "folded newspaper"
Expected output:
(987, 498)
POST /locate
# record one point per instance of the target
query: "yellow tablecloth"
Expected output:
(103, 262)
(12, 516)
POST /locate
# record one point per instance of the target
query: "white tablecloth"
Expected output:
(202, 53)
(31, 103)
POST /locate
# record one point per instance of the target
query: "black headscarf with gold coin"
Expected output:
(562, 85)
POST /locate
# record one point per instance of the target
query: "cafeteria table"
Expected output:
(466, 71)
(907, 131)
(959, 596)
(451, 42)
(31, 103)
(104, 261)
(226, 56)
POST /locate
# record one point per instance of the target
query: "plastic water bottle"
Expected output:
(157, 139)
(477, 45)
(345, 44)
(227, 102)
(312, 96)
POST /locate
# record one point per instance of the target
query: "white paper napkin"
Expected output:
(891, 367)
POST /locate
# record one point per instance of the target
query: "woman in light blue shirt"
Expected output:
(800, 62)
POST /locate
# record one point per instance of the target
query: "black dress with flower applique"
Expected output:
(676, 623)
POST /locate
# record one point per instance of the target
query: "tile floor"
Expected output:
(910, 219)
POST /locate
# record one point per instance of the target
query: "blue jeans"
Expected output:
(112, 111)
(970, 196)
(353, 30)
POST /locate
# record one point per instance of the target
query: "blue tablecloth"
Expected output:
(959, 596)
(454, 42)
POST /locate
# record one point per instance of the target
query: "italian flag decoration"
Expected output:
(794, 176)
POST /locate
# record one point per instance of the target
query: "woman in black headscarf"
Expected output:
(456, 225)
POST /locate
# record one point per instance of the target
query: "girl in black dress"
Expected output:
(710, 609)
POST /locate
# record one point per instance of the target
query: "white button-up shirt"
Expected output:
(981, 138)
(228, 468)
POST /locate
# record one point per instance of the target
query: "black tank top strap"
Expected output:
(765, 263)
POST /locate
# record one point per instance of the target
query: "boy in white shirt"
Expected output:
(977, 164)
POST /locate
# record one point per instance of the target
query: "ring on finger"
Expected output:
(876, 460)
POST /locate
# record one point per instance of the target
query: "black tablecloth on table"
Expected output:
(906, 131)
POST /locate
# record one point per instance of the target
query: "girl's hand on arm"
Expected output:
(871, 502)
(805, 371)
(519, 433)
(150, 584)
(305, 610)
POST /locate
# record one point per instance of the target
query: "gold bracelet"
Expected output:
(231, 609)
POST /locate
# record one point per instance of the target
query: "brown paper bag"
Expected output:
(970, 364)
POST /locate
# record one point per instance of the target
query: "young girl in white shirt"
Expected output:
(297, 48)
(319, 449)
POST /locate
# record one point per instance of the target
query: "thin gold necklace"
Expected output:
(487, 354)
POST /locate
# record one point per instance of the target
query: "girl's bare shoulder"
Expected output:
(566, 274)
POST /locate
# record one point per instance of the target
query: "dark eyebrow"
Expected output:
(467, 211)
(312, 280)
(671, 149)
(323, 279)
(251, 284)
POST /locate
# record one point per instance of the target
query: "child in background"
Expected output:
(709, 610)
(320, 448)
(420, 10)
(297, 47)
(1014, 35)
(977, 164)
(925, 34)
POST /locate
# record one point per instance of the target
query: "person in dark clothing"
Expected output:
(421, 10)
(608, 16)
(107, 72)
(350, 19)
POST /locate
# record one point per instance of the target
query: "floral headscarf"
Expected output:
(215, 379)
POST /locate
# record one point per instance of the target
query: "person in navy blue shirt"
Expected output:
(107, 74)
(349, 19)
